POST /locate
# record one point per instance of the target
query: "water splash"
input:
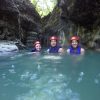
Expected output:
(52, 57)
(38, 66)
(81, 74)
(96, 81)
(12, 70)
(13, 66)
(49, 87)
(3, 76)
(25, 75)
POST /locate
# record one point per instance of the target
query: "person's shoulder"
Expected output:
(82, 50)
(68, 50)
(33, 50)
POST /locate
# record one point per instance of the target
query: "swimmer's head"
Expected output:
(37, 45)
(74, 41)
(53, 41)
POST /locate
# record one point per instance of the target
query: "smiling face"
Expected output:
(53, 43)
(38, 47)
(74, 43)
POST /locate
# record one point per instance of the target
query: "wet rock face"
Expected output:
(81, 17)
(81, 12)
(17, 19)
(20, 21)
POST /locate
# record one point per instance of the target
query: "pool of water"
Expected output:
(27, 76)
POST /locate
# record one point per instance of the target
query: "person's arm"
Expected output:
(61, 50)
(82, 51)
(68, 51)
(47, 50)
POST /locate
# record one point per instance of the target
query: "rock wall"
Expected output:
(77, 17)
(18, 18)
(20, 21)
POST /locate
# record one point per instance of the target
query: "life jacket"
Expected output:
(54, 49)
(75, 51)
(34, 50)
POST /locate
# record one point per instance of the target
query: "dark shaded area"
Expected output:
(81, 12)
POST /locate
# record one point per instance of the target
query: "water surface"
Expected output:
(26, 76)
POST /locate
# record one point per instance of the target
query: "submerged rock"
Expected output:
(8, 47)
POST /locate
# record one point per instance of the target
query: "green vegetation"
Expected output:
(44, 7)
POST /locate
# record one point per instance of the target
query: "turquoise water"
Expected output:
(26, 76)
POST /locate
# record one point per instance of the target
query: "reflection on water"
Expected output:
(27, 76)
(49, 87)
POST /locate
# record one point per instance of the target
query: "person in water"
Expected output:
(37, 47)
(54, 47)
(75, 47)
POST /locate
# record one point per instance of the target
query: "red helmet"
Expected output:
(53, 38)
(75, 38)
(37, 42)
